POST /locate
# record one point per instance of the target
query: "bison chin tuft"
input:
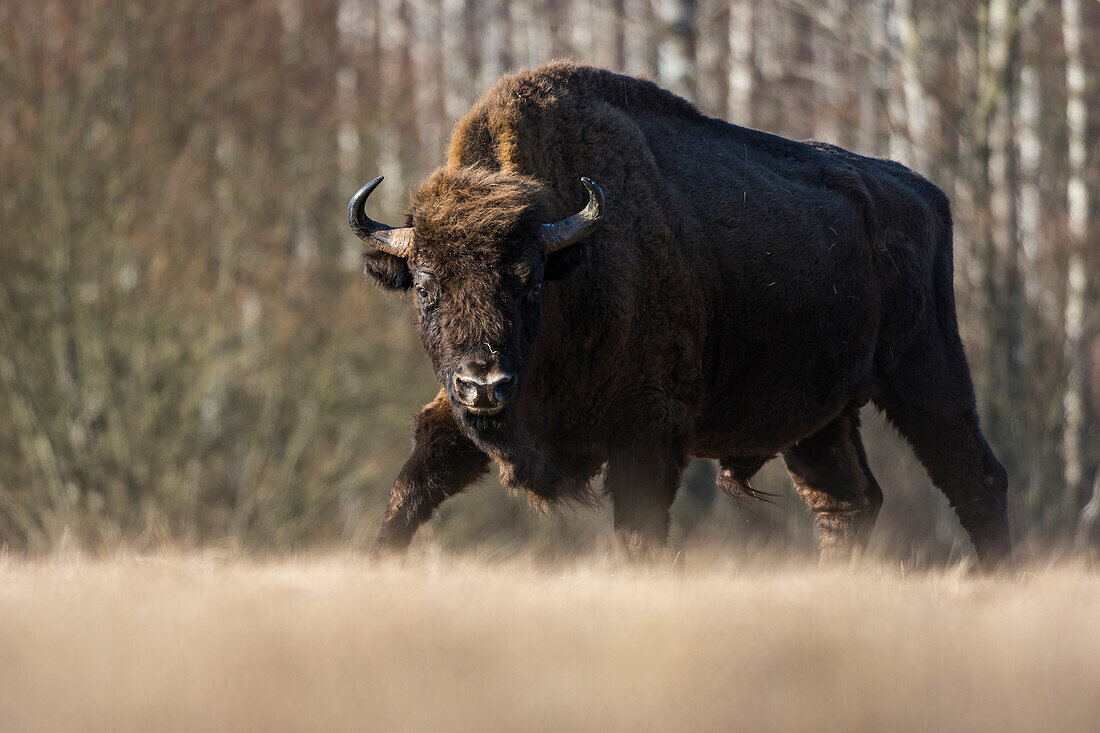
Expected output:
(494, 432)
(547, 477)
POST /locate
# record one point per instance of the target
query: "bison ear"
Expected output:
(562, 262)
(387, 271)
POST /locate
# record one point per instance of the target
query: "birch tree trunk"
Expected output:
(1077, 210)
(902, 47)
(743, 72)
(1011, 326)
(676, 65)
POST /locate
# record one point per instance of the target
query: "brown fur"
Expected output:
(743, 295)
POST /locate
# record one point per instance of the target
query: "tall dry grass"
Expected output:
(336, 644)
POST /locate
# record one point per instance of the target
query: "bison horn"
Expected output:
(561, 234)
(394, 240)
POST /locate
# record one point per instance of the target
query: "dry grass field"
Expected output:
(202, 643)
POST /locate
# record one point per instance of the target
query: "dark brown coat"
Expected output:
(742, 297)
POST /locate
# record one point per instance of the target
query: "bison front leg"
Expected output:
(642, 483)
(443, 463)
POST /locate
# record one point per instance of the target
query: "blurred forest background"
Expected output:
(189, 353)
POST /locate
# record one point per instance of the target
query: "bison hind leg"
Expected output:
(961, 463)
(829, 469)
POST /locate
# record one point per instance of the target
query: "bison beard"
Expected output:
(738, 296)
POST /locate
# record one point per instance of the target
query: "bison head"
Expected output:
(476, 250)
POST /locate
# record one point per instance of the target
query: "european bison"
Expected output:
(709, 291)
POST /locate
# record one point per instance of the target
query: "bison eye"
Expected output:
(425, 297)
(533, 292)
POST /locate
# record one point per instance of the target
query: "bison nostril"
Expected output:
(503, 388)
(465, 388)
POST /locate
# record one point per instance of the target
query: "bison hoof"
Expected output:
(388, 547)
